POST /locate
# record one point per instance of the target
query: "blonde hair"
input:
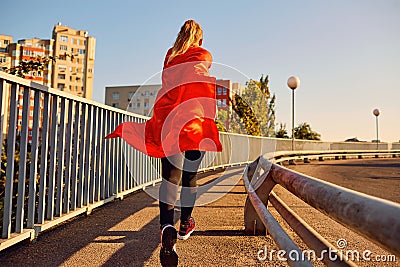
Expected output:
(190, 34)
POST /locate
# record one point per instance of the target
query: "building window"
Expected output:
(115, 96)
(219, 102)
(63, 38)
(115, 105)
(130, 95)
(224, 102)
(62, 67)
(72, 40)
(146, 94)
(138, 104)
(61, 76)
(61, 86)
(3, 59)
(224, 92)
(146, 105)
(81, 51)
(6, 42)
(219, 91)
(130, 105)
(63, 47)
(27, 53)
(37, 53)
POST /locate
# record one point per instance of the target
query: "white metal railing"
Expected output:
(56, 164)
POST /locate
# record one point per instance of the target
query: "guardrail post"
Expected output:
(252, 222)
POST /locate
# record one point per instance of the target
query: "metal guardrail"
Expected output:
(374, 218)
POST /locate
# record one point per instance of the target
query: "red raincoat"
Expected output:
(184, 110)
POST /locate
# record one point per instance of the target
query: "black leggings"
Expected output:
(176, 169)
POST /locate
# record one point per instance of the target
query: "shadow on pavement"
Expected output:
(75, 238)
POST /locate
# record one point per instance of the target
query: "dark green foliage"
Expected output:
(304, 131)
(282, 132)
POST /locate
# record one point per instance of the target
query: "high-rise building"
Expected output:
(73, 70)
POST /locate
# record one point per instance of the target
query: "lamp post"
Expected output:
(293, 82)
(376, 113)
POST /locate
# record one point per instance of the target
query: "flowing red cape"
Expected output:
(184, 110)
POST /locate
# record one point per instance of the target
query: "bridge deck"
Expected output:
(126, 233)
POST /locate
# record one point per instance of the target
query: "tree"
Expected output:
(282, 132)
(253, 111)
(271, 117)
(222, 117)
(33, 65)
(247, 116)
(304, 131)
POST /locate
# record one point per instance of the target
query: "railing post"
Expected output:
(252, 222)
(23, 149)
(43, 159)
(53, 158)
(60, 160)
(11, 138)
(34, 161)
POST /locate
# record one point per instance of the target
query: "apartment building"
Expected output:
(73, 70)
(138, 99)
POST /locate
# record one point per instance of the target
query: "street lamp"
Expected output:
(293, 82)
(376, 113)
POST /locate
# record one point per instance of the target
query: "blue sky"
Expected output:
(346, 53)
